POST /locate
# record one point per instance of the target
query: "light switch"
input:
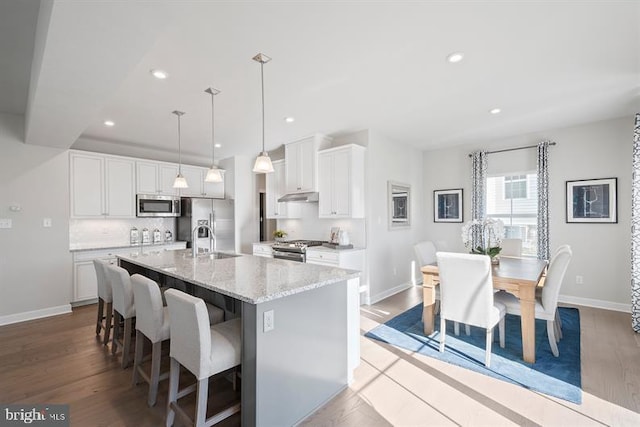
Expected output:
(268, 321)
(5, 223)
(46, 222)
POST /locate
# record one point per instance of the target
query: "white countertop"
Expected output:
(95, 246)
(248, 278)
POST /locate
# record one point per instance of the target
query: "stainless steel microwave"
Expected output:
(152, 205)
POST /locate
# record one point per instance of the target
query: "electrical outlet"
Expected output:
(579, 280)
(268, 321)
(46, 222)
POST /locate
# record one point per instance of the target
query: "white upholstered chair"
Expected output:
(124, 311)
(152, 322)
(466, 296)
(511, 247)
(546, 305)
(105, 301)
(202, 349)
(425, 253)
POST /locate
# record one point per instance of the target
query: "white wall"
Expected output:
(35, 262)
(390, 252)
(595, 150)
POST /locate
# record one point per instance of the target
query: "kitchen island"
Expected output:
(299, 323)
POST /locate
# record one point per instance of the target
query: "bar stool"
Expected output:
(202, 349)
(124, 311)
(104, 296)
(152, 322)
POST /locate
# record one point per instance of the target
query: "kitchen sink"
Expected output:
(216, 255)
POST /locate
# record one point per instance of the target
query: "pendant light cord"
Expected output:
(262, 83)
(179, 148)
(213, 141)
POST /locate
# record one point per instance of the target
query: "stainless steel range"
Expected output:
(293, 250)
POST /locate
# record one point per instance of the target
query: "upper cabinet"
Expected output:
(156, 177)
(101, 186)
(341, 182)
(301, 168)
(275, 187)
(198, 187)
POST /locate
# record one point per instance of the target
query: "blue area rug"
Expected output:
(555, 376)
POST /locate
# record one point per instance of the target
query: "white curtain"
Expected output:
(635, 229)
(543, 200)
(478, 193)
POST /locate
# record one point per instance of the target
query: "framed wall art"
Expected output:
(592, 201)
(399, 205)
(447, 205)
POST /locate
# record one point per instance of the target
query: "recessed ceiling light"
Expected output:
(495, 111)
(159, 74)
(217, 145)
(289, 119)
(109, 123)
(455, 57)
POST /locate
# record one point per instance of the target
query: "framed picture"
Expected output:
(399, 205)
(592, 200)
(447, 205)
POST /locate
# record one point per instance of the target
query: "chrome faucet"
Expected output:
(212, 240)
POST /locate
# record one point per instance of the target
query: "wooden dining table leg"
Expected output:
(429, 304)
(528, 323)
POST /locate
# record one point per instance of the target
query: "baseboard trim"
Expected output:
(386, 294)
(35, 314)
(595, 303)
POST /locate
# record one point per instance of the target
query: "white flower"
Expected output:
(491, 232)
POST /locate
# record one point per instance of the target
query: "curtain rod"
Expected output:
(514, 149)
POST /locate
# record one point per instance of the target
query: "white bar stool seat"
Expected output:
(124, 311)
(105, 296)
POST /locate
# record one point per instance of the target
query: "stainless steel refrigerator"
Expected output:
(218, 214)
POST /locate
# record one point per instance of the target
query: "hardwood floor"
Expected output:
(59, 360)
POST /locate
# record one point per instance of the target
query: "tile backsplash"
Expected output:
(114, 231)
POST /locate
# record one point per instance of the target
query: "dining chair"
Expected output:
(124, 311)
(511, 247)
(152, 323)
(558, 319)
(203, 350)
(547, 304)
(425, 253)
(466, 296)
(105, 301)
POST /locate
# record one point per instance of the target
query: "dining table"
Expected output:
(518, 276)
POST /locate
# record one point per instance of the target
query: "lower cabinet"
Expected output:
(85, 283)
(263, 250)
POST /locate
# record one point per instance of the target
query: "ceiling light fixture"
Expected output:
(109, 123)
(213, 174)
(455, 57)
(159, 74)
(217, 145)
(495, 111)
(180, 181)
(289, 119)
(263, 162)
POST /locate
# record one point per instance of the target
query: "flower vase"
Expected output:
(495, 260)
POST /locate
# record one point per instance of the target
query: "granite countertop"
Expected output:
(247, 278)
(96, 246)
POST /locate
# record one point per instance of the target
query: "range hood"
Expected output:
(300, 197)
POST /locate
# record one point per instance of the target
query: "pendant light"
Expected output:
(180, 181)
(263, 162)
(213, 174)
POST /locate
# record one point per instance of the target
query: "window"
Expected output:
(515, 187)
(513, 198)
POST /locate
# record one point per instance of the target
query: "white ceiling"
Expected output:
(337, 67)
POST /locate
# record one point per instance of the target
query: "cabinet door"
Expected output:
(272, 193)
(147, 177)
(84, 281)
(292, 157)
(194, 178)
(307, 165)
(325, 185)
(87, 196)
(120, 187)
(215, 190)
(341, 183)
(168, 174)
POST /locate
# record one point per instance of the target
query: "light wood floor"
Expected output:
(58, 360)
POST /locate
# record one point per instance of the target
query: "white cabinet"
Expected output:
(263, 250)
(275, 188)
(85, 283)
(101, 186)
(198, 187)
(352, 259)
(341, 182)
(156, 178)
(301, 169)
